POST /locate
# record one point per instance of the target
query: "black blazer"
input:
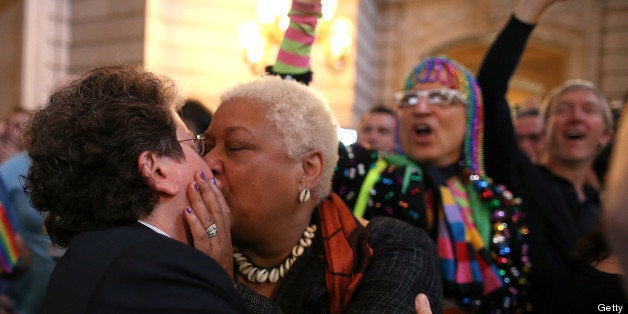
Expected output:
(132, 269)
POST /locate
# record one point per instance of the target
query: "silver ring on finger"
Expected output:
(212, 230)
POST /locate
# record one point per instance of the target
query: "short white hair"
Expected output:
(301, 115)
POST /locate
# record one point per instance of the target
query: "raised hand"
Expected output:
(530, 11)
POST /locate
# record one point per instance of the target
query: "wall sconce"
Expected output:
(260, 39)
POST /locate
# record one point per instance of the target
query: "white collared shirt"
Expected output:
(153, 227)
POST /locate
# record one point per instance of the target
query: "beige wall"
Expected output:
(11, 52)
(106, 32)
(45, 49)
(613, 73)
(195, 42)
(367, 60)
(575, 39)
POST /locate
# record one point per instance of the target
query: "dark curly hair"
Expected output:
(85, 144)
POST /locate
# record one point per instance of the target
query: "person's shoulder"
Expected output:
(389, 225)
(135, 265)
(111, 242)
(178, 269)
(397, 232)
(136, 240)
(117, 234)
(135, 250)
(20, 160)
(15, 166)
(92, 255)
(360, 153)
(408, 255)
(128, 242)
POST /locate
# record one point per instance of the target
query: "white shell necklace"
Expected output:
(257, 274)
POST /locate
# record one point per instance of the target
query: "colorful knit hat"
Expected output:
(448, 72)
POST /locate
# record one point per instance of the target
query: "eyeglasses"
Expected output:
(434, 97)
(199, 144)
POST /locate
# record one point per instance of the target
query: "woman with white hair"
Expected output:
(297, 247)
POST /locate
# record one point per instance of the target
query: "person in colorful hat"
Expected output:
(438, 144)
(440, 185)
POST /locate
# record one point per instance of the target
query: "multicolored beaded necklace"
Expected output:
(506, 217)
(458, 78)
(506, 228)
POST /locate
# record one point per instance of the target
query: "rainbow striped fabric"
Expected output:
(9, 252)
(295, 48)
(464, 259)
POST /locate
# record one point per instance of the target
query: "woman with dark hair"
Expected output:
(112, 169)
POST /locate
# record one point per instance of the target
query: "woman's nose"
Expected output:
(213, 162)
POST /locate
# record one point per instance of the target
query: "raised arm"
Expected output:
(530, 11)
(500, 62)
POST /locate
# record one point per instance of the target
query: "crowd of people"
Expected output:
(158, 204)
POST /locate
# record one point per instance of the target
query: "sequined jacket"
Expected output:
(401, 189)
(397, 190)
(404, 261)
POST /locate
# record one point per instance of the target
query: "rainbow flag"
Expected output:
(8, 251)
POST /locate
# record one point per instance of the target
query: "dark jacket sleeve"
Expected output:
(501, 61)
(552, 231)
(404, 264)
(165, 277)
(505, 163)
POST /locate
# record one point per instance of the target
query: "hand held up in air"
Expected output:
(530, 11)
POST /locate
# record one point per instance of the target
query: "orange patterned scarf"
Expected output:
(347, 251)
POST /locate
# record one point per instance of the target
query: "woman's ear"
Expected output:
(154, 170)
(312, 165)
